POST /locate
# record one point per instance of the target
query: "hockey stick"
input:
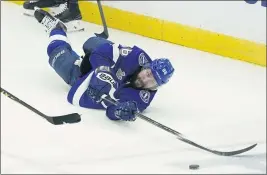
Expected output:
(182, 138)
(56, 120)
(104, 34)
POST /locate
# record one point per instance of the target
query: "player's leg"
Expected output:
(93, 42)
(62, 58)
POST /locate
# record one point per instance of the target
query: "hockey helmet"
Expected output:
(161, 69)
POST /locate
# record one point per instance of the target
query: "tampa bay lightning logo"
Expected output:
(142, 60)
(144, 95)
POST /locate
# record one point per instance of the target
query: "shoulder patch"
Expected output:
(142, 60)
(144, 95)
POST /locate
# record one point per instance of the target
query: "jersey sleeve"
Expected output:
(142, 97)
(78, 93)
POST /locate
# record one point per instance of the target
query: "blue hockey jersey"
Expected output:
(124, 62)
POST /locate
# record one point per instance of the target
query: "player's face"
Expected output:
(145, 79)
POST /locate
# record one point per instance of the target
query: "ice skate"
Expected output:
(28, 6)
(70, 14)
(48, 21)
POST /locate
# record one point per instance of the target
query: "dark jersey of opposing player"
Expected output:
(125, 62)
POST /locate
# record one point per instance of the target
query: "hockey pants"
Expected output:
(64, 60)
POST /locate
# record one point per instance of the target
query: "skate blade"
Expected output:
(74, 26)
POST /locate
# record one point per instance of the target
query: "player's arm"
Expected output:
(88, 90)
(130, 101)
(101, 80)
(98, 82)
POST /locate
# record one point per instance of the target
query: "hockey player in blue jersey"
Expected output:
(107, 70)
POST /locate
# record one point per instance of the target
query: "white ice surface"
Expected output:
(214, 101)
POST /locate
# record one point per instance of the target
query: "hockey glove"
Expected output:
(126, 110)
(102, 82)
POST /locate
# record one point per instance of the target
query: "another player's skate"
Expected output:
(70, 14)
(48, 21)
(29, 5)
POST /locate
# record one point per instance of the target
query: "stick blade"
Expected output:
(232, 153)
(220, 153)
(69, 118)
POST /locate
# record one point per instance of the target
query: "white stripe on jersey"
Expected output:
(58, 37)
(116, 53)
(81, 89)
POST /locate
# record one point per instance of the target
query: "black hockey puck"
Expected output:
(193, 167)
